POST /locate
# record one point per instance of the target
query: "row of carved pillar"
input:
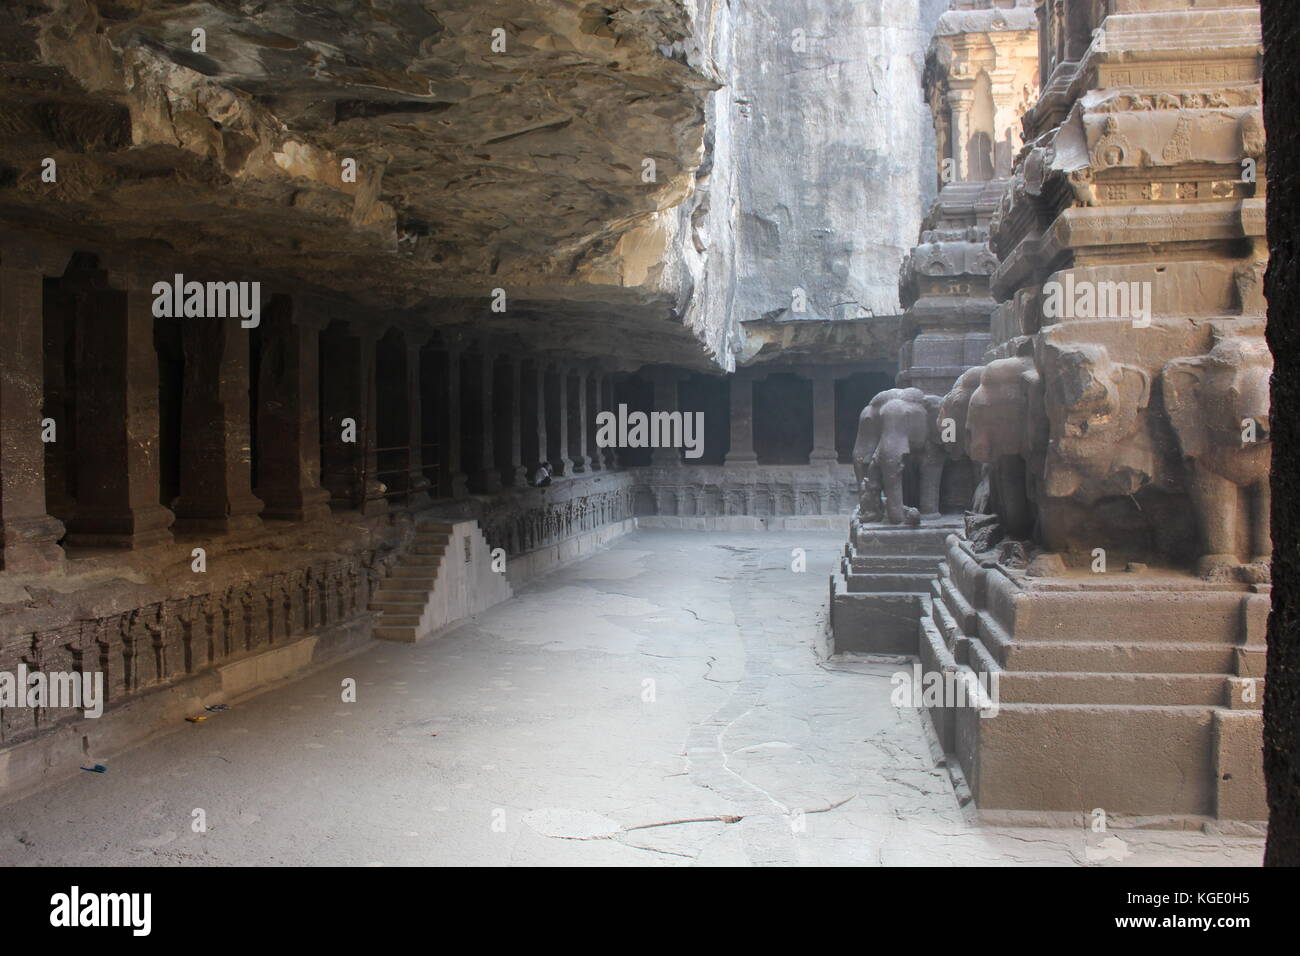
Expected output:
(277, 421)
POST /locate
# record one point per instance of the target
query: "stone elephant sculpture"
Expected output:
(953, 411)
(1006, 429)
(1218, 404)
(897, 424)
(1098, 444)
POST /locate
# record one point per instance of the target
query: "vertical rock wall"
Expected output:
(1282, 686)
(834, 152)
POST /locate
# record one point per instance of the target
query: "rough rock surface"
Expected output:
(835, 151)
(1282, 686)
(476, 169)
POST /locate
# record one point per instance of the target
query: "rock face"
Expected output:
(834, 150)
(507, 149)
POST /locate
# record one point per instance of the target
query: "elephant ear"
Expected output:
(1180, 386)
(933, 403)
(1133, 388)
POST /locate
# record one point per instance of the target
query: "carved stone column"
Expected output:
(216, 454)
(581, 462)
(959, 104)
(288, 416)
(823, 451)
(562, 463)
(488, 478)
(416, 340)
(607, 393)
(665, 400)
(543, 452)
(516, 475)
(28, 535)
(370, 490)
(117, 421)
(594, 387)
(742, 420)
(457, 482)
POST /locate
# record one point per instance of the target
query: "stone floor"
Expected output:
(661, 703)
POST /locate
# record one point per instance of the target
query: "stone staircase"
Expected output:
(1137, 693)
(443, 576)
(884, 574)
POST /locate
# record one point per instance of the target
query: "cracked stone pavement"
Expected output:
(663, 702)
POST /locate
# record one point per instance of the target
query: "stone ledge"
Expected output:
(745, 522)
(57, 754)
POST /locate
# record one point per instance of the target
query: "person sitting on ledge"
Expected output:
(542, 477)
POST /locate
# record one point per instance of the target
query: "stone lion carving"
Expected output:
(1218, 404)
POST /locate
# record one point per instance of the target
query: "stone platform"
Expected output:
(884, 575)
(1137, 693)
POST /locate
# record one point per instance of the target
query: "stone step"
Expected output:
(419, 569)
(1252, 661)
(437, 550)
(396, 583)
(1180, 617)
(1112, 688)
(412, 559)
(874, 540)
(416, 599)
(1244, 693)
(411, 582)
(431, 537)
(422, 574)
(398, 606)
(399, 620)
(434, 526)
(942, 617)
(894, 563)
(402, 634)
(955, 603)
(1149, 760)
(887, 583)
(1116, 657)
(874, 622)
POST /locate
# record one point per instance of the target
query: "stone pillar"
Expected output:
(595, 388)
(581, 462)
(117, 421)
(28, 535)
(959, 104)
(542, 451)
(371, 488)
(564, 465)
(1006, 117)
(417, 483)
(216, 453)
(665, 400)
(288, 417)
(741, 451)
(488, 478)
(607, 392)
(340, 398)
(823, 451)
(517, 476)
(456, 478)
